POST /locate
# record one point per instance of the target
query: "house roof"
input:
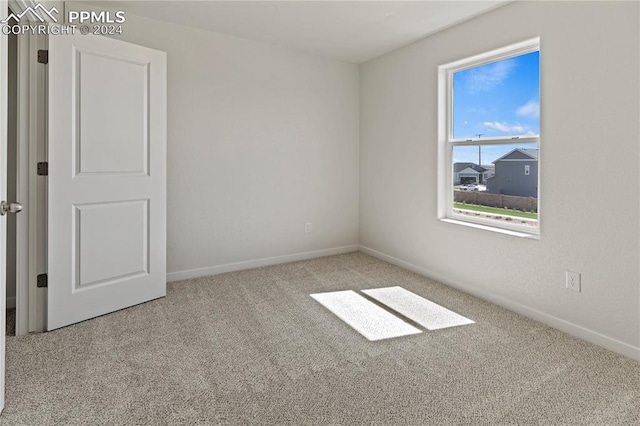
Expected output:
(531, 153)
(458, 167)
(469, 170)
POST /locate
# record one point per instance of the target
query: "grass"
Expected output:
(495, 210)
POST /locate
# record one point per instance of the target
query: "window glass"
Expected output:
(489, 183)
(498, 99)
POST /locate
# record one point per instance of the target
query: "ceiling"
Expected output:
(352, 31)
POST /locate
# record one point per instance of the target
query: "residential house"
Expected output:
(464, 173)
(490, 171)
(516, 173)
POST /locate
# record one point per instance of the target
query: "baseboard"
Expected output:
(11, 302)
(256, 263)
(535, 314)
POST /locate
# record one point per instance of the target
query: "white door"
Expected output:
(3, 192)
(107, 177)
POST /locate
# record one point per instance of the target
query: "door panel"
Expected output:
(107, 177)
(119, 144)
(112, 242)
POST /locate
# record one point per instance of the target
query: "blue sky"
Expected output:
(497, 99)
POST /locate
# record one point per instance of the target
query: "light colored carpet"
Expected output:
(252, 347)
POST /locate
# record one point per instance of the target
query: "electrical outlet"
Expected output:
(573, 281)
(307, 228)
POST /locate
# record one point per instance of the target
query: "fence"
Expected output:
(526, 204)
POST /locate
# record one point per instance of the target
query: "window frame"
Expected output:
(446, 142)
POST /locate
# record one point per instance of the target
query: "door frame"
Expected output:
(31, 189)
(23, 187)
(3, 176)
(31, 241)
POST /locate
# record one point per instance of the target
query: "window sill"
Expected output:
(521, 234)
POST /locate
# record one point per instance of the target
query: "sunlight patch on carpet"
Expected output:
(364, 316)
(428, 314)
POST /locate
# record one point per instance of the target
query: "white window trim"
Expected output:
(446, 142)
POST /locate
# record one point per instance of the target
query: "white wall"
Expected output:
(260, 140)
(589, 168)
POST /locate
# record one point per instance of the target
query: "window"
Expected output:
(489, 131)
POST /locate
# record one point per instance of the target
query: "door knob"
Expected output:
(9, 208)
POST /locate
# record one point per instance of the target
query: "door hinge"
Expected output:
(43, 56)
(43, 281)
(43, 169)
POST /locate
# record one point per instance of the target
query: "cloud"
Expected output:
(488, 77)
(530, 109)
(504, 127)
